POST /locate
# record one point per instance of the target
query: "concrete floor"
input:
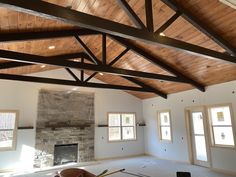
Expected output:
(145, 166)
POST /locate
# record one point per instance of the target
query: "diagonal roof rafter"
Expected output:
(132, 15)
(204, 28)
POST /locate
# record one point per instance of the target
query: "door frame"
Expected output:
(187, 112)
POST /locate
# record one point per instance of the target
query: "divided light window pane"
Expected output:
(221, 116)
(223, 136)
(7, 120)
(221, 123)
(114, 120)
(165, 118)
(114, 134)
(165, 133)
(128, 133)
(128, 120)
(6, 139)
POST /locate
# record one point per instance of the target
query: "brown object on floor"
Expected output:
(75, 172)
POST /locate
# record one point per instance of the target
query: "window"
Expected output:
(8, 122)
(221, 125)
(164, 125)
(122, 126)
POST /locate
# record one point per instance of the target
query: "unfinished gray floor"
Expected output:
(146, 166)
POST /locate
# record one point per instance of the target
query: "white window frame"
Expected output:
(160, 126)
(211, 126)
(13, 147)
(121, 130)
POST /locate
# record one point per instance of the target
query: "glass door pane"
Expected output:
(198, 123)
(199, 136)
(200, 145)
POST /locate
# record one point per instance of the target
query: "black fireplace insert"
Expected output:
(65, 153)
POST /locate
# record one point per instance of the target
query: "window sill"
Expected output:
(223, 147)
(120, 141)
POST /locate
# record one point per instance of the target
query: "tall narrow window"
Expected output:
(164, 123)
(121, 126)
(8, 122)
(221, 125)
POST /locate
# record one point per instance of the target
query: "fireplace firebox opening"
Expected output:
(65, 153)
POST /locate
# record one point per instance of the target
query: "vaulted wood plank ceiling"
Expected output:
(221, 18)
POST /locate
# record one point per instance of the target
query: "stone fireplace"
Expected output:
(65, 122)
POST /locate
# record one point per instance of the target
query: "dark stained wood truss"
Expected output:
(80, 19)
(35, 59)
(92, 25)
(70, 82)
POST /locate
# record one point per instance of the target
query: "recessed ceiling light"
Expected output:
(101, 74)
(43, 66)
(76, 60)
(162, 34)
(51, 47)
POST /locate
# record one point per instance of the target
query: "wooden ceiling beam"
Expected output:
(167, 23)
(204, 28)
(13, 64)
(69, 82)
(87, 50)
(110, 64)
(104, 49)
(91, 76)
(72, 74)
(157, 61)
(149, 15)
(35, 59)
(118, 57)
(25, 36)
(82, 71)
(132, 15)
(138, 82)
(80, 19)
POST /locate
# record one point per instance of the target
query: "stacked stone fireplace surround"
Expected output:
(64, 118)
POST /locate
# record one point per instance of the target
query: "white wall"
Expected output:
(22, 158)
(178, 150)
(23, 96)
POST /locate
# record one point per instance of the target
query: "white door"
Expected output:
(200, 146)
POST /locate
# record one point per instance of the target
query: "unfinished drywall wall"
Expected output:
(23, 96)
(222, 158)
